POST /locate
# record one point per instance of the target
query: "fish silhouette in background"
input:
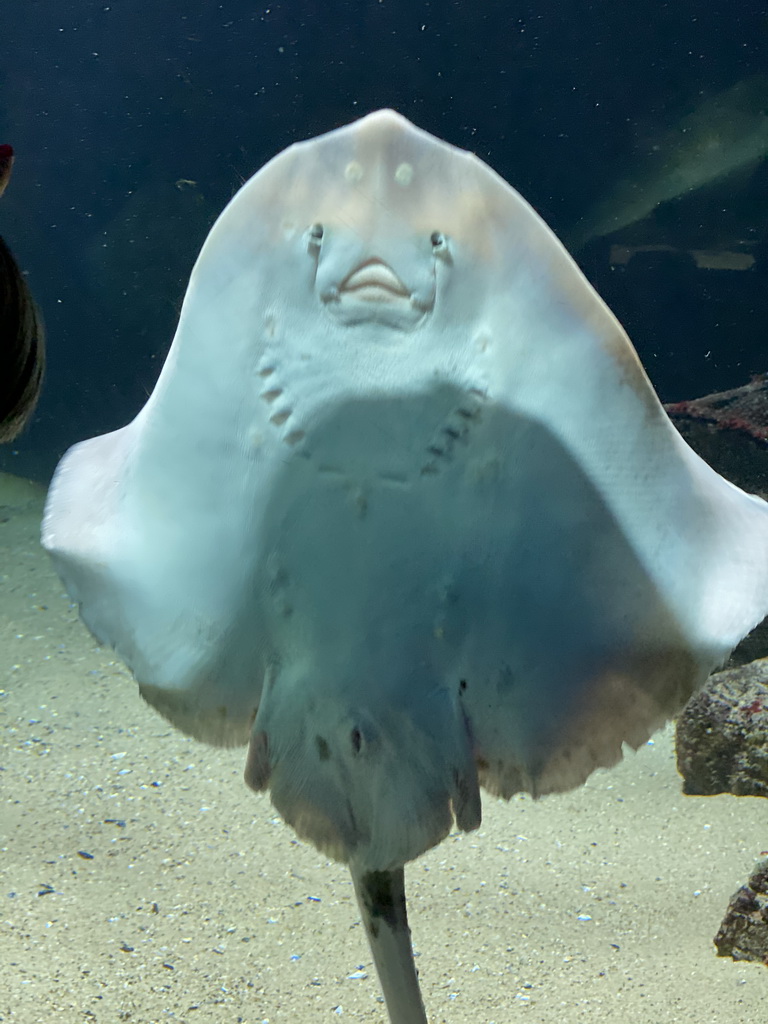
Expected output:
(726, 135)
(403, 513)
(22, 348)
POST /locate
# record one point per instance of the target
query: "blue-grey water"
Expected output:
(141, 881)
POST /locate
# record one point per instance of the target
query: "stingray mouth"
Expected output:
(374, 281)
(373, 293)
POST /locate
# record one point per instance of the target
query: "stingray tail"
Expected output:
(381, 896)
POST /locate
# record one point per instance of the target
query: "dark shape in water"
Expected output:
(22, 349)
(722, 135)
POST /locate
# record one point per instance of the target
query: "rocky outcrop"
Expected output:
(722, 734)
(743, 935)
(729, 430)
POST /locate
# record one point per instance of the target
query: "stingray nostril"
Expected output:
(440, 245)
(315, 236)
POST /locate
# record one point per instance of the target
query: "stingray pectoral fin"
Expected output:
(381, 897)
(610, 710)
(118, 533)
(80, 527)
(612, 603)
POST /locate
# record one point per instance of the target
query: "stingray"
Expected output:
(403, 514)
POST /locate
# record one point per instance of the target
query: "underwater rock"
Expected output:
(729, 430)
(722, 734)
(743, 935)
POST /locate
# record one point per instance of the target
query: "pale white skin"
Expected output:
(403, 511)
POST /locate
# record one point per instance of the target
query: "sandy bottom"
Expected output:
(142, 881)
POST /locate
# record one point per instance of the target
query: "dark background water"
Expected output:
(135, 121)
